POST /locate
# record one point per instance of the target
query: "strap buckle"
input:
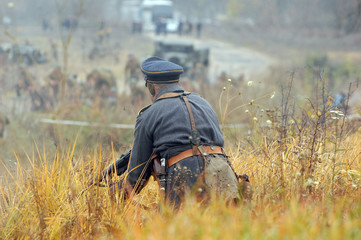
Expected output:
(195, 137)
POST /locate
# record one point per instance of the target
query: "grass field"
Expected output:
(303, 159)
(306, 185)
(43, 202)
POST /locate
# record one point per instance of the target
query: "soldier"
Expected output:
(199, 29)
(54, 79)
(182, 130)
(38, 99)
(132, 69)
(132, 75)
(189, 28)
(26, 79)
(102, 87)
(101, 31)
(180, 28)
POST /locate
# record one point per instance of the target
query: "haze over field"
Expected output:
(282, 75)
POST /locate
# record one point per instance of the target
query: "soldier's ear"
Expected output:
(151, 89)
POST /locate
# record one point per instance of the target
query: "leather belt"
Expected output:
(189, 153)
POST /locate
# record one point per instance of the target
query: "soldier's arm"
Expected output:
(139, 169)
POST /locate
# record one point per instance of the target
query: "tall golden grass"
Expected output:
(305, 171)
(43, 201)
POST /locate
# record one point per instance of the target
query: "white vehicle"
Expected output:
(153, 11)
(172, 25)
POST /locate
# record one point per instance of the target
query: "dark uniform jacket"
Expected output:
(164, 128)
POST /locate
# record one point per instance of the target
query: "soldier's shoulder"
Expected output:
(143, 110)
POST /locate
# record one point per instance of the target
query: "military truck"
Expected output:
(183, 53)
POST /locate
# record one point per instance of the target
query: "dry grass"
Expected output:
(307, 185)
(43, 202)
(305, 170)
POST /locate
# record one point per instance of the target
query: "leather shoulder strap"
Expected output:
(172, 95)
(164, 96)
(193, 123)
(185, 99)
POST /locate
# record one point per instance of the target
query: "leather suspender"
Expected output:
(195, 138)
(194, 147)
(171, 95)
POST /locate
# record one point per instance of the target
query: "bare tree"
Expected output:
(66, 37)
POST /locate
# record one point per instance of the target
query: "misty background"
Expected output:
(82, 77)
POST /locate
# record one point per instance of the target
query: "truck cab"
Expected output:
(183, 53)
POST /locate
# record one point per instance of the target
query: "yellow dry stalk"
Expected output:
(274, 212)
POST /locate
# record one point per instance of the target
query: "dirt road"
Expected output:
(233, 60)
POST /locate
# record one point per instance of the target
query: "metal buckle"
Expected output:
(195, 138)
